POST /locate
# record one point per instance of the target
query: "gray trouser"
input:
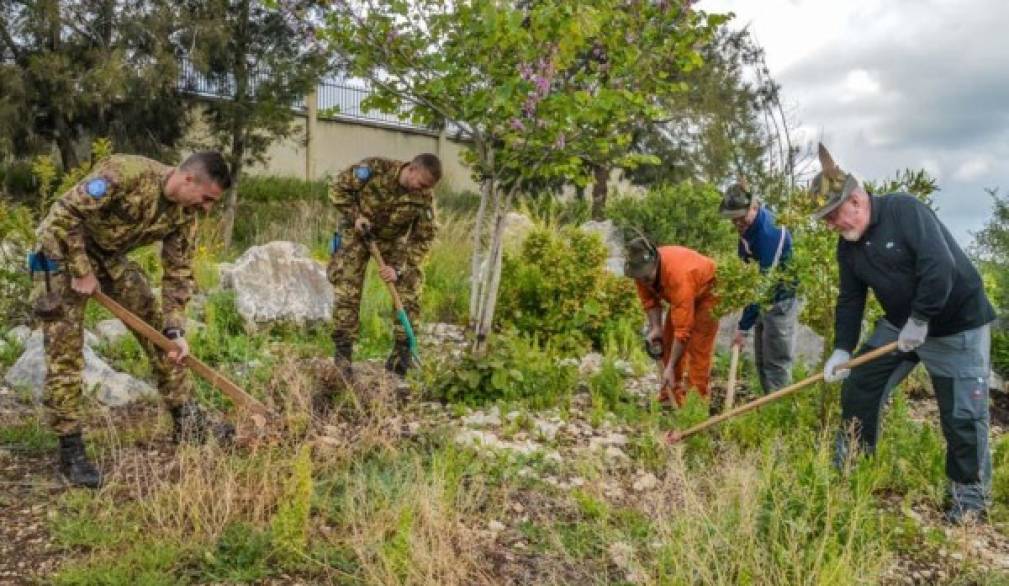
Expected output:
(774, 344)
(958, 366)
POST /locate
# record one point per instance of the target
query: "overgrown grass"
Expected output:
(356, 501)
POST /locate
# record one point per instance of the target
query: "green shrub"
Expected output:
(241, 555)
(264, 188)
(514, 368)
(547, 209)
(17, 181)
(684, 214)
(1000, 352)
(557, 288)
(289, 527)
(16, 238)
(445, 296)
(457, 202)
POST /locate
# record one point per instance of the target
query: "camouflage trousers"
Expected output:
(124, 281)
(346, 270)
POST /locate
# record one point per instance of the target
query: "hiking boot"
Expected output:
(968, 504)
(400, 360)
(74, 464)
(322, 402)
(190, 424)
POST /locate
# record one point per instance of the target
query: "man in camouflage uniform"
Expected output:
(125, 202)
(392, 202)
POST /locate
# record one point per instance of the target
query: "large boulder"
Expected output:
(614, 242)
(516, 227)
(279, 282)
(112, 388)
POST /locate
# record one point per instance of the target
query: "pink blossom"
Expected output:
(517, 124)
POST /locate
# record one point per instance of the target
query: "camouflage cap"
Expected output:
(832, 186)
(640, 257)
(736, 201)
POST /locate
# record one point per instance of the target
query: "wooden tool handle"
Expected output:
(730, 390)
(377, 255)
(230, 389)
(675, 436)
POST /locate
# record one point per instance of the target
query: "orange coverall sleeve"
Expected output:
(648, 299)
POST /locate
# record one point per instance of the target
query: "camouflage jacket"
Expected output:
(371, 189)
(118, 207)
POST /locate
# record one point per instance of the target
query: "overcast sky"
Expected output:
(894, 84)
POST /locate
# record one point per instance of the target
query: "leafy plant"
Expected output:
(685, 214)
(557, 288)
(515, 368)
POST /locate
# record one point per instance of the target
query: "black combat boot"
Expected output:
(74, 464)
(322, 402)
(190, 424)
(400, 360)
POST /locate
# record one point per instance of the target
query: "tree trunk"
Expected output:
(239, 115)
(231, 205)
(601, 174)
(489, 303)
(65, 143)
(476, 280)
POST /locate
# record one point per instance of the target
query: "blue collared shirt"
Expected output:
(760, 242)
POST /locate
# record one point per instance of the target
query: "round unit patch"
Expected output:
(362, 173)
(97, 188)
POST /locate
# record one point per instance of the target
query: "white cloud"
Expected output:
(859, 84)
(974, 168)
(896, 84)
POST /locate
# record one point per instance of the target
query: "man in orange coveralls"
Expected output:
(685, 279)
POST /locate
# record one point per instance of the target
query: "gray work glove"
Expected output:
(913, 335)
(837, 358)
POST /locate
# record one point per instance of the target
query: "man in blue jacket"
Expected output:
(762, 241)
(934, 307)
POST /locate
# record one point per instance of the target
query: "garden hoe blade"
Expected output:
(675, 436)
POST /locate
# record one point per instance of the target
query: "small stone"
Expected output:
(547, 429)
(615, 453)
(622, 555)
(111, 331)
(20, 334)
(481, 419)
(496, 526)
(590, 364)
(646, 481)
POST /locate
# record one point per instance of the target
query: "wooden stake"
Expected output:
(730, 390)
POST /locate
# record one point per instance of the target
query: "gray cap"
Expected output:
(832, 186)
(736, 201)
(641, 257)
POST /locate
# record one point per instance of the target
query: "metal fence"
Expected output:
(336, 99)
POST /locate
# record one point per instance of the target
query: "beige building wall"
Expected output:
(342, 142)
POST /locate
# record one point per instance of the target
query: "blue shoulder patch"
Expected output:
(363, 173)
(97, 188)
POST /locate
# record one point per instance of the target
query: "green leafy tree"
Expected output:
(263, 58)
(73, 69)
(537, 87)
(726, 124)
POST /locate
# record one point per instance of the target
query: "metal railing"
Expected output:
(336, 99)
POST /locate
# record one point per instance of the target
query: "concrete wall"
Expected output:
(338, 143)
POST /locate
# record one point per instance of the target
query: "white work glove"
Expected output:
(837, 358)
(912, 335)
